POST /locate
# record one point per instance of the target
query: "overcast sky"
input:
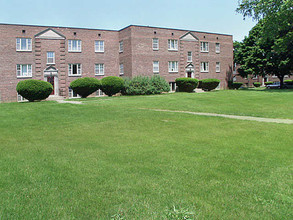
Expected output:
(217, 16)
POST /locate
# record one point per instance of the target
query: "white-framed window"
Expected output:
(99, 69)
(274, 76)
(155, 44)
(23, 70)
(23, 44)
(72, 94)
(20, 98)
(204, 67)
(99, 46)
(189, 56)
(74, 45)
(173, 66)
(172, 44)
(121, 47)
(74, 69)
(204, 46)
(255, 77)
(172, 86)
(218, 47)
(156, 67)
(218, 67)
(99, 93)
(121, 67)
(50, 57)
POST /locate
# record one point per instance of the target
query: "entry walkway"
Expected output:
(248, 118)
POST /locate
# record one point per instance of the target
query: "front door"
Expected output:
(189, 74)
(50, 79)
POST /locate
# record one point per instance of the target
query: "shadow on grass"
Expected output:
(266, 90)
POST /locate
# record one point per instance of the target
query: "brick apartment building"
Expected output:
(60, 55)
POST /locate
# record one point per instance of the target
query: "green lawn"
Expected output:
(109, 156)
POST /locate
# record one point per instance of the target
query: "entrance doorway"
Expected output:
(50, 79)
(189, 74)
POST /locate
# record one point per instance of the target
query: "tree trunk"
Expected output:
(281, 78)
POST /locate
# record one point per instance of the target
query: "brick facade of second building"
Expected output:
(60, 55)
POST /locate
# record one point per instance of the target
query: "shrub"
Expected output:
(111, 85)
(33, 89)
(236, 85)
(269, 83)
(257, 84)
(209, 84)
(289, 82)
(230, 84)
(143, 85)
(85, 86)
(186, 84)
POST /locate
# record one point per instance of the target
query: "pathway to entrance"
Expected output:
(249, 118)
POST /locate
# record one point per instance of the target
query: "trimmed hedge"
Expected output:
(111, 85)
(236, 85)
(143, 85)
(186, 84)
(257, 84)
(269, 83)
(85, 86)
(33, 89)
(209, 84)
(288, 81)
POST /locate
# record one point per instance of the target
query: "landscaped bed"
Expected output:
(110, 157)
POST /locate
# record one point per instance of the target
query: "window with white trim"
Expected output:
(74, 45)
(156, 67)
(255, 77)
(99, 69)
(99, 93)
(23, 44)
(204, 67)
(74, 69)
(172, 86)
(24, 70)
(204, 46)
(189, 56)
(173, 66)
(172, 44)
(50, 57)
(99, 46)
(72, 94)
(155, 44)
(121, 47)
(218, 67)
(218, 48)
(121, 69)
(20, 98)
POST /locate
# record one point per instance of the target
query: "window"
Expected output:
(23, 44)
(50, 58)
(189, 56)
(99, 69)
(274, 76)
(121, 46)
(172, 86)
(155, 44)
(173, 66)
(99, 93)
(121, 69)
(172, 44)
(156, 66)
(255, 77)
(204, 67)
(74, 45)
(74, 69)
(204, 47)
(72, 94)
(20, 98)
(218, 48)
(99, 46)
(218, 67)
(24, 70)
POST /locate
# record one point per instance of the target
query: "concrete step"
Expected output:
(55, 98)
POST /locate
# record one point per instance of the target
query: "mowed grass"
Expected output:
(109, 156)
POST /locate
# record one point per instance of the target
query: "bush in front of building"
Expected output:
(209, 84)
(237, 85)
(85, 86)
(143, 85)
(186, 84)
(33, 89)
(112, 85)
(269, 83)
(257, 84)
(288, 81)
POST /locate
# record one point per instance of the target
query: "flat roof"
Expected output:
(98, 29)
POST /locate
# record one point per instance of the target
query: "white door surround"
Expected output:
(189, 70)
(52, 72)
